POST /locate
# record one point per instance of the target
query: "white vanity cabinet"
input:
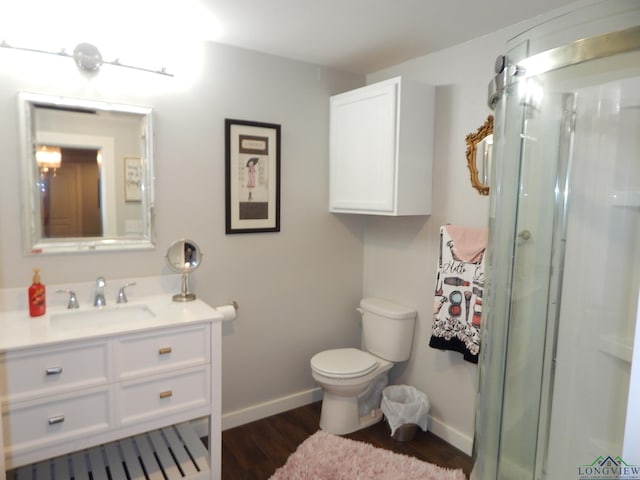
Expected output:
(95, 390)
(381, 149)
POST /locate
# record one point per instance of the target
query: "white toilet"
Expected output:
(353, 379)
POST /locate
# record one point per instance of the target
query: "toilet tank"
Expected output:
(387, 328)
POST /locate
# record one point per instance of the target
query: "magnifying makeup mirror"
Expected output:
(184, 256)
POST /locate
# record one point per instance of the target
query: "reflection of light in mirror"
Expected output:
(48, 157)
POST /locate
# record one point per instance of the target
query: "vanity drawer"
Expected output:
(34, 424)
(41, 372)
(163, 395)
(163, 350)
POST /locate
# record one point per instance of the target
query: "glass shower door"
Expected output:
(544, 143)
(591, 419)
(558, 366)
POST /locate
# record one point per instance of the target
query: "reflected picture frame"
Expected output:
(133, 179)
(252, 177)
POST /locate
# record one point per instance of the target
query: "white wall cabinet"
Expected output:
(381, 149)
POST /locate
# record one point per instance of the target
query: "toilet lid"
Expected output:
(343, 362)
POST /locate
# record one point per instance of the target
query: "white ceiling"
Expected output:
(364, 36)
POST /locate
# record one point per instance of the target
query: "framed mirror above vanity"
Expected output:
(87, 175)
(479, 151)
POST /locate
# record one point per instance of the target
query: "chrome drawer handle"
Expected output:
(58, 419)
(164, 351)
(54, 370)
(166, 394)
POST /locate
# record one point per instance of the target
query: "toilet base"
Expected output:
(339, 415)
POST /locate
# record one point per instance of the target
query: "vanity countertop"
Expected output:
(18, 330)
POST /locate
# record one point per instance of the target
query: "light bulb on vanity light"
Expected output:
(87, 57)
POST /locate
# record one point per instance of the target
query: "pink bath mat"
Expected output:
(324, 456)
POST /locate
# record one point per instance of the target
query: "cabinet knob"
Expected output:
(166, 394)
(54, 370)
(164, 351)
(56, 419)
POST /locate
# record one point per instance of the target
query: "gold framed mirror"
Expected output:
(479, 150)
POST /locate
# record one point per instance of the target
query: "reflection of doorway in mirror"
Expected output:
(70, 196)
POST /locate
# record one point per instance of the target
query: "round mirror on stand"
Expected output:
(184, 256)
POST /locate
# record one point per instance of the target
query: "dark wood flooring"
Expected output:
(254, 451)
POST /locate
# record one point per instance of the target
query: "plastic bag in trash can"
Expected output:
(403, 404)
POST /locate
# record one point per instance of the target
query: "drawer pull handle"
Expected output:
(166, 394)
(54, 371)
(164, 350)
(58, 419)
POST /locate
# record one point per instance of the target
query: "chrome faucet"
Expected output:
(122, 296)
(73, 300)
(99, 300)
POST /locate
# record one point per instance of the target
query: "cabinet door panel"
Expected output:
(363, 149)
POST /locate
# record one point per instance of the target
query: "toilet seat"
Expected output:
(343, 363)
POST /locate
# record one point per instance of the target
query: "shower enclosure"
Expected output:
(559, 389)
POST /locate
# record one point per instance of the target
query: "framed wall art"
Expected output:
(252, 189)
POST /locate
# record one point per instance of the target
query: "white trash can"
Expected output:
(405, 408)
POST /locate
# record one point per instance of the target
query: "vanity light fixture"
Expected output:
(87, 57)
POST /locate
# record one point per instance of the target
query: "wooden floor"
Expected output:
(254, 451)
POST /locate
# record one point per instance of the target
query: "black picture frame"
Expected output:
(252, 177)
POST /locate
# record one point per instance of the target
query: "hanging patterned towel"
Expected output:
(459, 287)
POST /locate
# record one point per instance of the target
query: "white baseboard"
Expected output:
(278, 405)
(272, 407)
(450, 435)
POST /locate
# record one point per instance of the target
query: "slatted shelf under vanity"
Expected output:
(170, 453)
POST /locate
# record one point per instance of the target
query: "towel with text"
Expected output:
(457, 308)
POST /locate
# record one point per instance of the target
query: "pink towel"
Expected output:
(468, 243)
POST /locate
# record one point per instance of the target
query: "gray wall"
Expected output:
(401, 254)
(297, 289)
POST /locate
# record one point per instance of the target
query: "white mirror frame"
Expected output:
(34, 243)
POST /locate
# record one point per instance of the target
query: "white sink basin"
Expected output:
(100, 316)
